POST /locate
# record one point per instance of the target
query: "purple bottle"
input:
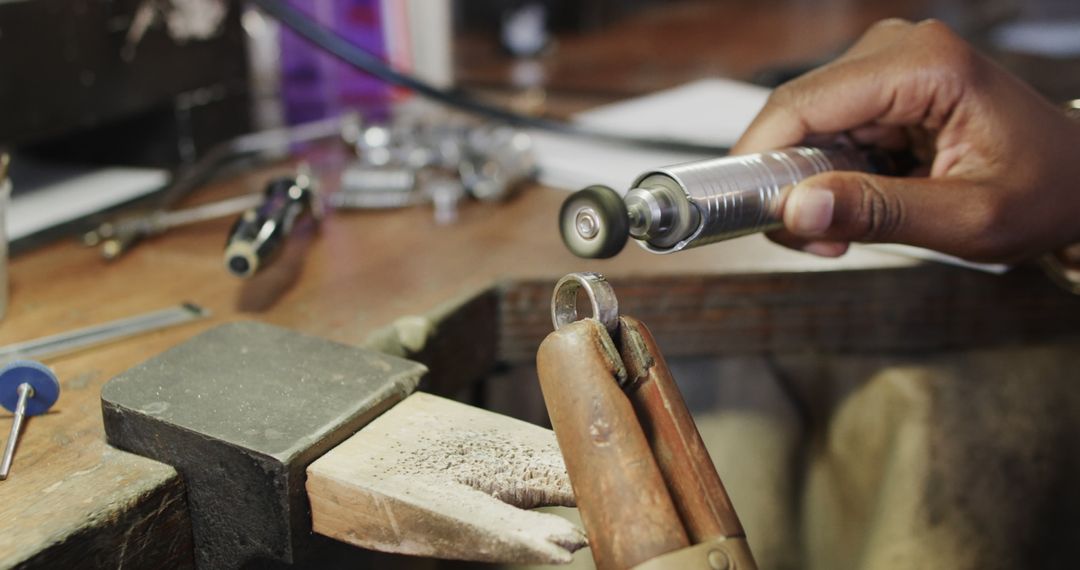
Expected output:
(316, 85)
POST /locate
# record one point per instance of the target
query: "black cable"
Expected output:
(337, 46)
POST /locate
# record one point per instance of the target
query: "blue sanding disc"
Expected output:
(41, 379)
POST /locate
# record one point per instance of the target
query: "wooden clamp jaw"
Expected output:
(699, 495)
(624, 504)
(644, 483)
(717, 537)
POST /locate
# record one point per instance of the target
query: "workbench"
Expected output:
(71, 496)
(480, 289)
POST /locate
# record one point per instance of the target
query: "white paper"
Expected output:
(78, 196)
(709, 111)
(1056, 39)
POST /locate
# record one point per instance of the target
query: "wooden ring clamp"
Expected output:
(647, 490)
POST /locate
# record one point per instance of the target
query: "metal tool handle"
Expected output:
(698, 203)
(259, 234)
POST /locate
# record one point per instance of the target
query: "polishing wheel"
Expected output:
(593, 223)
(46, 388)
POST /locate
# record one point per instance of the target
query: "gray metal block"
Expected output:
(240, 411)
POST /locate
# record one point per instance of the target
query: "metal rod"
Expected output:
(62, 343)
(227, 207)
(25, 393)
(154, 223)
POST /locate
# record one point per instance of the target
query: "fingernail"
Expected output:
(826, 248)
(811, 211)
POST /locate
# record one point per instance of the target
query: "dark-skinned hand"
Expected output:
(1002, 175)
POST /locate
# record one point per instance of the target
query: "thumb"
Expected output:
(855, 206)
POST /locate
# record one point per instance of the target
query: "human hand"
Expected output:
(1003, 175)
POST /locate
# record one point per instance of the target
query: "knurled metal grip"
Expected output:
(697, 203)
(723, 198)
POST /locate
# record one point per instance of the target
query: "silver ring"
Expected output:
(605, 307)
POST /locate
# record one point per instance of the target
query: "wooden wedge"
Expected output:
(434, 477)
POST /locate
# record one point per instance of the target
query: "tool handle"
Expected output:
(698, 203)
(259, 234)
(696, 489)
(624, 503)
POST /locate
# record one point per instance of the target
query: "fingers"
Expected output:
(888, 78)
(881, 33)
(991, 187)
(825, 212)
(886, 137)
(832, 99)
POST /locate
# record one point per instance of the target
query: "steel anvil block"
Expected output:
(240, 411)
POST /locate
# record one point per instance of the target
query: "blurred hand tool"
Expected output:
(260, 232)
(439, 159)
(139, 226)
(266, 144)
(647, 490)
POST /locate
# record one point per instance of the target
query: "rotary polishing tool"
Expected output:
(697, 203)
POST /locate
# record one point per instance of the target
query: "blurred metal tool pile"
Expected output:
(432, 160)
(417, 158)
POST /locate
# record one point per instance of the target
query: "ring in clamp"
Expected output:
(605, 307)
